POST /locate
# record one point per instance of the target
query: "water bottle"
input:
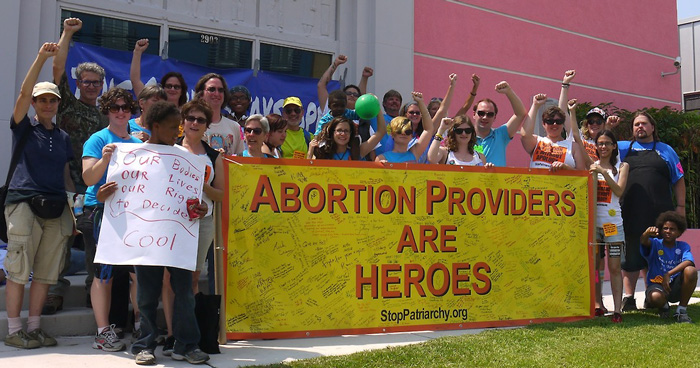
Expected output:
(78, 206)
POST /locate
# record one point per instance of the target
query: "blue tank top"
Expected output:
(398, 157)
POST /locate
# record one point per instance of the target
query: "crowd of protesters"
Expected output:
(67, 146)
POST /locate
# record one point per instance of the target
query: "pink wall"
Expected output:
(483, 37)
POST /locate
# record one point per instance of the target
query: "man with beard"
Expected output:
(655, 177)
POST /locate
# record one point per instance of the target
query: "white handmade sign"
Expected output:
(146, 221)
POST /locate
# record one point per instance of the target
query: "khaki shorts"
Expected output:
(35, 244)
(206, 236)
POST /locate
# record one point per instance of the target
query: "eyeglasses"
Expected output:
(342, 131)
(115, 108)
(605, 144)
(413, 112)
(352, 94)
(407, 132)
(488, 114)
(595, 122)
(239, 98)
(198, 120)
(256, 131)
(88, 83)
(289, 110)
(214, 89)
(464, 130)
(176, 87)
(554, 121)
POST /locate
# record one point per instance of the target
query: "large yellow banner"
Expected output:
(321, 249)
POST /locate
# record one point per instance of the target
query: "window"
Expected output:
(209, 50)
(298, 62)
(113, 33)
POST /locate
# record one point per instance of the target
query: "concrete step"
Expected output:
(75, 319)
(75, 296)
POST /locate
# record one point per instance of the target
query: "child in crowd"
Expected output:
(672, 276)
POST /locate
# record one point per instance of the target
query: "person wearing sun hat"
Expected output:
(298, 138)
(38, 218)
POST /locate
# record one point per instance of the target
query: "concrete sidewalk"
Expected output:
(76, 352)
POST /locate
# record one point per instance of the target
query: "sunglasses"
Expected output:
(554, 121)
(605, 144)
(256, 131)
(214, 89)
(115, 108)
(464, 130)
(88, 83)
(352, 94)
(413, 112)
(198, 120)
(488, 114)
(289, 110)
(407, 132)
(595, 122)
(176, 87)
(436, 99)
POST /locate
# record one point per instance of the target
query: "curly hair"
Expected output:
(90, 67)
(674, 217)
(111, 97)
(328, 147)
(197, 105)
(183, 86)
(452, 136)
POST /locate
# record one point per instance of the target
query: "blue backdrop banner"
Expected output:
(268, 89)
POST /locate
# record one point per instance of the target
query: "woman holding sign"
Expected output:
(118, 105)
(552, 151)
(612, 179)
(340, 140)
(461, 139)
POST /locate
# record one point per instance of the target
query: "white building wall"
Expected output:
(377, 34)
(689, 32)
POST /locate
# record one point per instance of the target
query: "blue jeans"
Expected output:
(185, 328)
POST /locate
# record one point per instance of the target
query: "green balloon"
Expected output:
(367, 106)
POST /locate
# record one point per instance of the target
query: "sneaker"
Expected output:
(107, 340)
(629, 304)
(169, 345)
(682, 318)
(22, 340)
(664, 311)
(195, 356)
(43, 338)
(616, 318)
(120, 332)
(145, 357)
(600, 312)
(54, 303)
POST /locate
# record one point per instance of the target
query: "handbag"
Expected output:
(3, 191)
(47, 207)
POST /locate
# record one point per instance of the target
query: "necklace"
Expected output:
(337, 156)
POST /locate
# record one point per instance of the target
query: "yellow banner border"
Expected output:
(235, 160)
